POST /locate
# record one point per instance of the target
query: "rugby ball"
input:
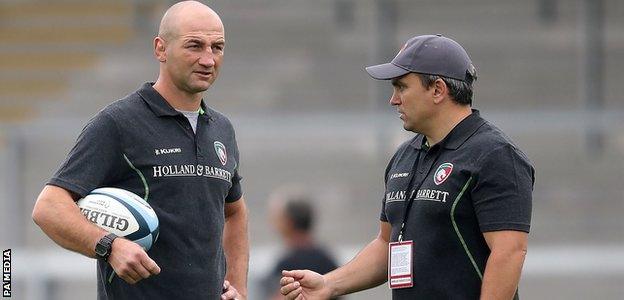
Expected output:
(123, 213)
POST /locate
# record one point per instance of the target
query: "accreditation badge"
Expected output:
(400, 264)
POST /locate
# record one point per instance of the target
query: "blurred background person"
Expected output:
(292, 215)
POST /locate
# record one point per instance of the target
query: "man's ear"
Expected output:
(440, 91)
(160, 50)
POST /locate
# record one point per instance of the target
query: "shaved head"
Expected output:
(189, 48)
(179, 15)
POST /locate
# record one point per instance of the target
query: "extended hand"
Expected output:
(230, 293)
(130, 261)
(304, 284)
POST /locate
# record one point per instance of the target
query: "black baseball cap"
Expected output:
(428, 54)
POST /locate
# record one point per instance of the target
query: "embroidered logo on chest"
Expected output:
(167, 151)
(221, 152)
(442, 173)
(398, 175)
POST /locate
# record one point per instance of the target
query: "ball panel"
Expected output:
(145, 242)
(131, 199)
(123, 213)
(143, 229)
(108, 214)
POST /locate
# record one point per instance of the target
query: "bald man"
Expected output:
(164, 144)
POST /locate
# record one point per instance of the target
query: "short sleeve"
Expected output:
(383, 216)
(94, 161)
(236, 191)
(502, 193)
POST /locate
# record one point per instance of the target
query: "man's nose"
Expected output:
(207, 59)
(394, 99)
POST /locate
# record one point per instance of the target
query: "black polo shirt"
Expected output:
(475, 180)
(141, 144)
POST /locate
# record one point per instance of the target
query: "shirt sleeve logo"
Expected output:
(221, 152)
(442, 173)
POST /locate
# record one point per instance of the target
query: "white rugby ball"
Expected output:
(123, 213)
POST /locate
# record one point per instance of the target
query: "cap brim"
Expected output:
(386, 71)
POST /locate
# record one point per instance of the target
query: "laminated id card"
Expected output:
(400, 265)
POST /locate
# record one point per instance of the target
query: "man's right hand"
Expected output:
(130, 261)
(304, 284)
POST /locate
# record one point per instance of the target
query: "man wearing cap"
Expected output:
(456, 211)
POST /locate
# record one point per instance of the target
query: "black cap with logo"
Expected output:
(428, 54)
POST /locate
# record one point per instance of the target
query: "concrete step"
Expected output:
(30, 15)
(38, 9)
(12, 89)
(10, 60)
(115, 34)
(16, 113)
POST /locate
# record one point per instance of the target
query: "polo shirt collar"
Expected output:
(458, 135)
(159, 105)
(417, 141)
(464, 130)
